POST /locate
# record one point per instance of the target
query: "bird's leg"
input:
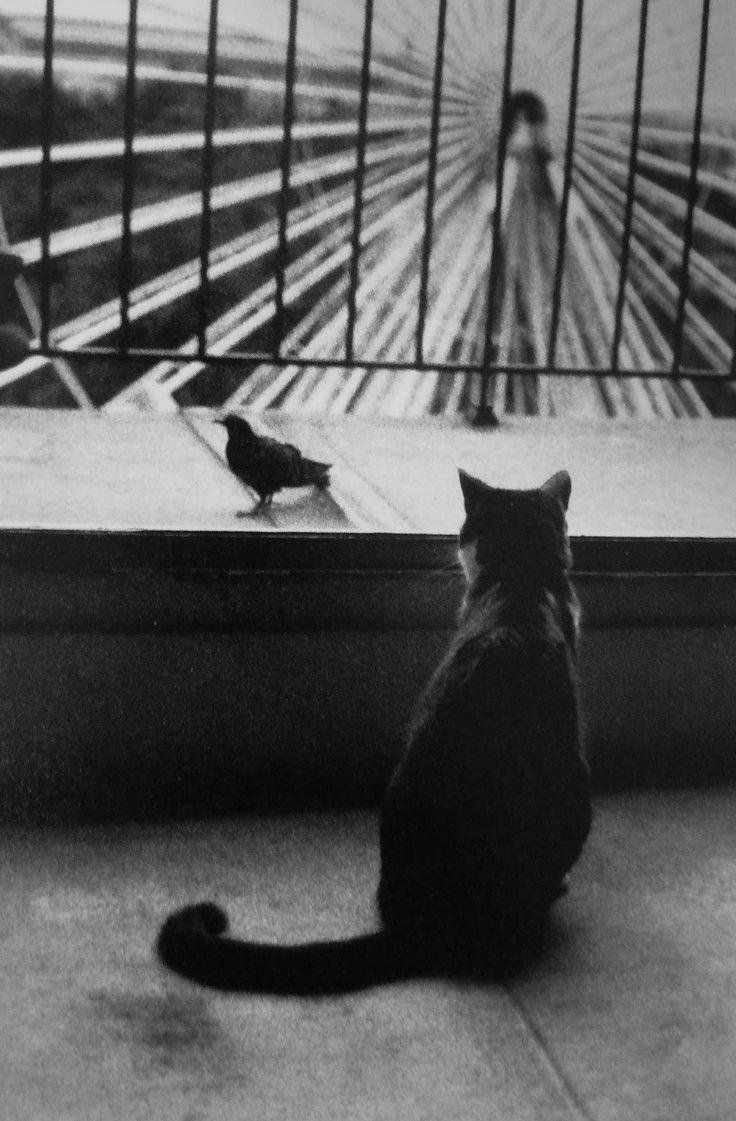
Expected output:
(264, 500)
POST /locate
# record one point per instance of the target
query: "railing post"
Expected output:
(207, 173)
(484, 416)
(282, 252)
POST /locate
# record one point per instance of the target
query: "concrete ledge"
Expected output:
(159, 657)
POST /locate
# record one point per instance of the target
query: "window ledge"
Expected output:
(209, 665)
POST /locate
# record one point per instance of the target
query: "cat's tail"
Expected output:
(194, 943)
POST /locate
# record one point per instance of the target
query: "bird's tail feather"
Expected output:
(193, 942)
(315, 473)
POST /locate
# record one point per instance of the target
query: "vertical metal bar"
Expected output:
(692, 194)
(630, 188)
(126, 240)
(431, 180)
(288, 124)
(484, 413)
(565, 201)
(205, 236)
(46, 185)
(359, 180)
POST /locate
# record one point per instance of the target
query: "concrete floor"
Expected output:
(630, 1016)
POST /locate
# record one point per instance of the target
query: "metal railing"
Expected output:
(593, 254)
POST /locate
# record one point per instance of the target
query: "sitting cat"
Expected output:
(489, 806)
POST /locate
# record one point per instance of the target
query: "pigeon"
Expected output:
(267, 465)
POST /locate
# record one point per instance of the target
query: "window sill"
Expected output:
(206, 667)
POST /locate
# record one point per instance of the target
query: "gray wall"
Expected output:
(138, 719)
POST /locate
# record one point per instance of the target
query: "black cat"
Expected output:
(489, 806)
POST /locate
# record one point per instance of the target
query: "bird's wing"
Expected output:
(283, 456)
(267, 465)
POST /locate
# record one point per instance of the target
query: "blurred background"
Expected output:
(359, 206)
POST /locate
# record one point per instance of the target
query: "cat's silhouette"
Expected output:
(489, 806)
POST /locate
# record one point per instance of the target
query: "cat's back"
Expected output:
(511, 665)
(500, 713)
(493, 765)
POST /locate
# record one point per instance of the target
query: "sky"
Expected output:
(266, 19)
(609, 36)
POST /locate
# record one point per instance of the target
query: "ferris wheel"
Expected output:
(476, 192)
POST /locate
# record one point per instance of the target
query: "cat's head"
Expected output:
(515, 535)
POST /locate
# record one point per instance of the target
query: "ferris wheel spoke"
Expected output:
(388, 337)
(599, 328)
(168, 287)
(365, 388)
(455, 393)
(309, 276)
(590, 291)
(464, 26)
(228, 257)
(669, 70)
(455, 181)
(636, 351)
(399, 400)
(594, 125)
(310, 389)
(718, 282)
(704, 222)
(194, 141)
(507, 332)
(263, 184)
(392, 24)
(578, 397)
(677, 168)
(333, 329)
(262, 314)
(259, 390)
(467, 270)
(381, 336)
(415, 389)
(657, 351)
(533, 284)
(254, 311)
(379, 391)
(652, 229)
(646, 354)
(402, 78)
(109, 68)
(665, 293)
(389, 391)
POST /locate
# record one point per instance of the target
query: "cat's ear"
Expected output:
(560, 487)
(473, 489)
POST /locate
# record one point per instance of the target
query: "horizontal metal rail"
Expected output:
(259, 357)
